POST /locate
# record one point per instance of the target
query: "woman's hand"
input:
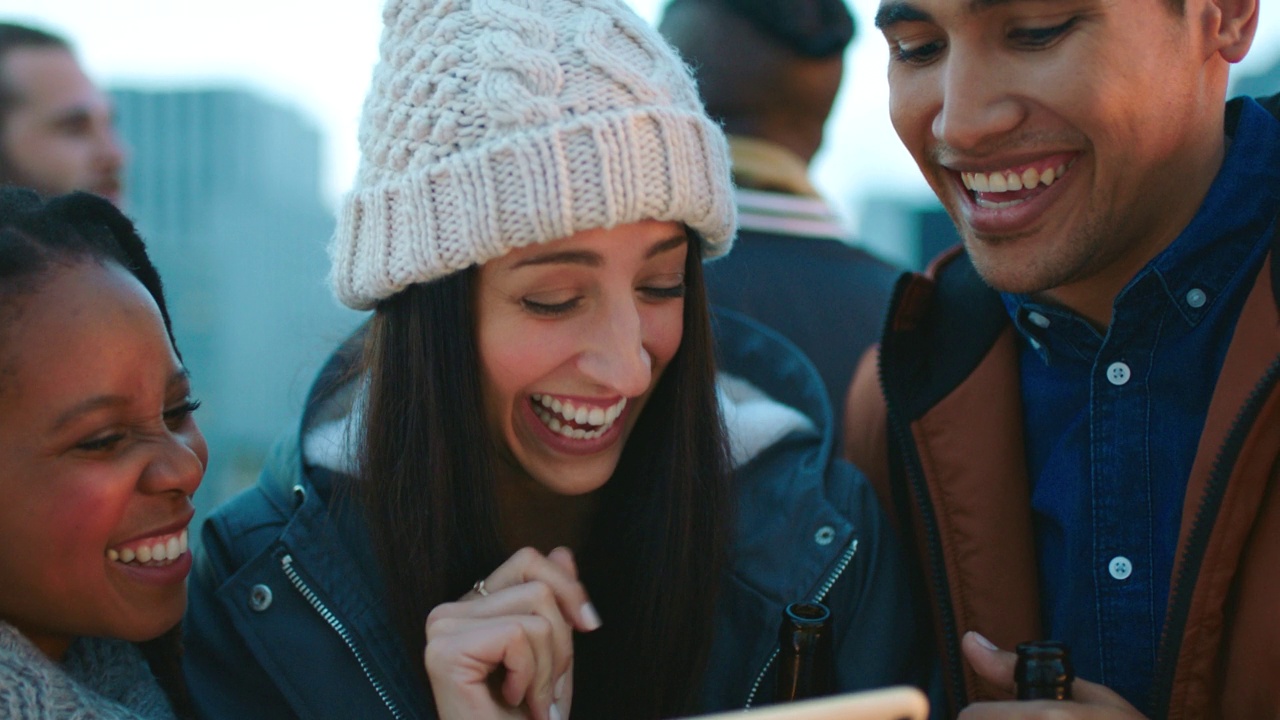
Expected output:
(505, 649)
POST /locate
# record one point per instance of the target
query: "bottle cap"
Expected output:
(1044, 670)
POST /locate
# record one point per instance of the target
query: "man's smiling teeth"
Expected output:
(153, 552)
(1008, 181)
(562, 416)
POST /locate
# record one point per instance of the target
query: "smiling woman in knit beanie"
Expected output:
(524, 449)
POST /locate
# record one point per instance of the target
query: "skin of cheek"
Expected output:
(69, 586)
(543, 357)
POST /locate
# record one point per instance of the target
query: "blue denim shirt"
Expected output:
(1113, 419)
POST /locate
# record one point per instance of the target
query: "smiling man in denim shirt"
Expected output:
(1076, 418)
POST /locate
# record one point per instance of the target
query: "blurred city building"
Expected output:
(224, 185)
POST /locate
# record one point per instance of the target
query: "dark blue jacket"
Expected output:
(821, 293)
(287, 614)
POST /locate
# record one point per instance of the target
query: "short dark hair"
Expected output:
(37, 237)
(13, 35)
(809, 28)
(18, 37)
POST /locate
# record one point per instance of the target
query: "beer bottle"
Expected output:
(1044, 671)
(806, 667)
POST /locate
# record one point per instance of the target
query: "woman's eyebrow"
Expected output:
(667, 245)
(571, 257)
(100, 402)
(593, 259)
(181, 376)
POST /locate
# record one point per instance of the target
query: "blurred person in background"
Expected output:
(56, 125)
(769, 71)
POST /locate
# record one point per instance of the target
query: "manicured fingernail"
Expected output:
(560, 685)
(984, 642)
(555, 712)
(590, 617)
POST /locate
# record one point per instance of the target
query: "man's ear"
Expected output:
(1229, 27)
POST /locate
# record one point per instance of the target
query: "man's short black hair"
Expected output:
(19, 37)
(809, 28)
(13, 36)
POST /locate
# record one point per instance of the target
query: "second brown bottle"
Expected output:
(806, 666)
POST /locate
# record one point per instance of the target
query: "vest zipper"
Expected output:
(301, 586)
(1198, 540)
(937, 567)
(827, 584)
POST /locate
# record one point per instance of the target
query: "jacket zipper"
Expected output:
(301, 586)
(1198, 540)
(937, 567)
(830, 582)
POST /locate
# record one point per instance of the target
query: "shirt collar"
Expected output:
(763, 165)
(1239, 209)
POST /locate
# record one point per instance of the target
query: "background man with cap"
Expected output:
(56, 132)
(769, 70)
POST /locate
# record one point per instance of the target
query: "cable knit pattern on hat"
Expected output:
(494, 124)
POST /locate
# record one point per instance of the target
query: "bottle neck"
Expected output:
(806, 666)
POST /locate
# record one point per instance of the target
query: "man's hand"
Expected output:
(996, 667)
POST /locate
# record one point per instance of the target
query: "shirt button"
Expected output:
(1120, 567)
(1196, 298)
(1118, 373)
(1037, 319)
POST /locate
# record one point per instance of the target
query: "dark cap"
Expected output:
(810, 28)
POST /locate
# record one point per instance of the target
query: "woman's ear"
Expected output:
(1230, 26)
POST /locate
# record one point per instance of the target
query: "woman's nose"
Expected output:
(616, 357)
(178, 465)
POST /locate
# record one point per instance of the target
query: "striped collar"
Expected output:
(771, 212)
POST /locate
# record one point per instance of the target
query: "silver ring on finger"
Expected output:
(479, 589)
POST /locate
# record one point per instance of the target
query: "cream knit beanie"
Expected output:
(495, 124)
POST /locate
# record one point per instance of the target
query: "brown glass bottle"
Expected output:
(806, 666)
(1044, 671)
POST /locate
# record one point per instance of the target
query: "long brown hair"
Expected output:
(655, 553)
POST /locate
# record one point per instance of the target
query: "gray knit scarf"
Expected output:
(100, 679)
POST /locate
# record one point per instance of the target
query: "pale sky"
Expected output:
(317, 57)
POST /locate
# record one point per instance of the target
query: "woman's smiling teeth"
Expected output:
(152, 552)
(576, 422)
